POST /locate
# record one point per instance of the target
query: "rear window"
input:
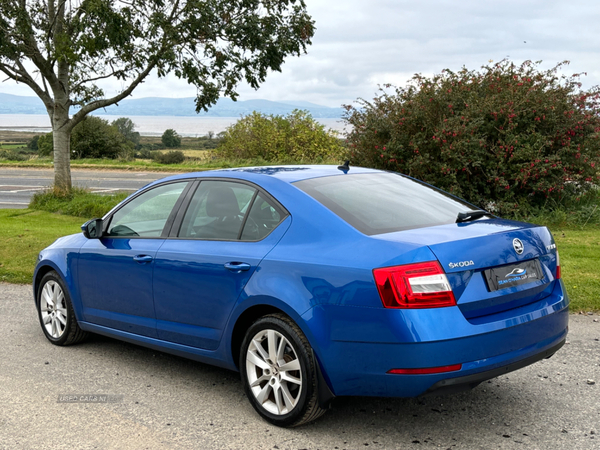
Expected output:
(380, 203)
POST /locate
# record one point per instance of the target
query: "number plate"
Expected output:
(513, 275)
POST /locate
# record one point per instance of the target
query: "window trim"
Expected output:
(172, 215)
(176, 226)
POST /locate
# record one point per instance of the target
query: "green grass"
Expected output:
(579, 252)
(23, 233)
(189, 165)
(79, 202)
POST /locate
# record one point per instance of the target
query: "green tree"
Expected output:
(506, 137)
(296, 137)
(126, 127)
(171, 139)
(61, 50)
(95, 138)
(33, 143)
(45, 144)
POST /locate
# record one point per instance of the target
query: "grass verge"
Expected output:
(579, 251)
(23, 233)
(79, 202)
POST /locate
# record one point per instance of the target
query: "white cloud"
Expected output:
(360, 44)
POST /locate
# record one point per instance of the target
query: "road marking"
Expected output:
(13, 203)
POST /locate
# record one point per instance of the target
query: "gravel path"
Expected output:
(165, 402)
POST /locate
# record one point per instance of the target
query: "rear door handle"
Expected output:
(237, 266)
(142, 258)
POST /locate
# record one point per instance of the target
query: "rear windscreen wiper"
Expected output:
(471, 215)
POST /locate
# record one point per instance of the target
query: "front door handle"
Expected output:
(142, 258)
(237, 267)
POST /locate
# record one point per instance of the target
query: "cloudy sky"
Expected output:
(362, 43)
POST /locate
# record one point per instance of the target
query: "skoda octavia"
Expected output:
(312, 282)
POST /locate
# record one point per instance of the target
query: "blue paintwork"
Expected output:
(317, 269)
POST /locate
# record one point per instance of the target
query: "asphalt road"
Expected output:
(166, 402)
(17, 185)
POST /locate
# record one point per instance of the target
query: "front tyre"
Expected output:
(55, 312)
(278, 372)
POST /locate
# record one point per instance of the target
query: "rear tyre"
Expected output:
(55, 312)
(278, 372)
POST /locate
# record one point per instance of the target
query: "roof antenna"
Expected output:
(345, 167)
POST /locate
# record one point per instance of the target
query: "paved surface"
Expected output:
(172, 403)
(17, 186)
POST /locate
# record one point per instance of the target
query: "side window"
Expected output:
(217, 210)
(147, 214)
(263, 219)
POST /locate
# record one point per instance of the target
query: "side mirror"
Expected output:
(92, 229)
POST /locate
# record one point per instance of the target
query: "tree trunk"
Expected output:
(61, 132)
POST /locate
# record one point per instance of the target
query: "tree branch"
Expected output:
(21, 75)
(92, 106)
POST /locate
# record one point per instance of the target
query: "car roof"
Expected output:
(289, 174)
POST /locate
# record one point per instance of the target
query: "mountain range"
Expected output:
(161, 106)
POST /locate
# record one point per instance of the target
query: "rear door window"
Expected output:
(380, 203)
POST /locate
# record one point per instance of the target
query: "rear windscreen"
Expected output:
(379, 203)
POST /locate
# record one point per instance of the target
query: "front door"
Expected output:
(115, 272)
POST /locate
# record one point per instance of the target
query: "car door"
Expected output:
(201, 270)
(115, 272)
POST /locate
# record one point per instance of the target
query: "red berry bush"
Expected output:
(508, 137)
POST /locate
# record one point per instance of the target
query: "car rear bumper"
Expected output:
(355, 366)
(465, 382)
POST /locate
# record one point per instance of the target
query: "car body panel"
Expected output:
(115, 290)
(189, 273)
(318, 269)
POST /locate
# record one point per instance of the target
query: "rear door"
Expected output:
(215, 247)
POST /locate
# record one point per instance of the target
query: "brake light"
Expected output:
(558, 274)
(420, 285)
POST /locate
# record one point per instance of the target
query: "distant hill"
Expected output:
(160, 106)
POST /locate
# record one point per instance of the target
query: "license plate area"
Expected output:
(513, 275)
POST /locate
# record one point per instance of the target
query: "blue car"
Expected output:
(312, 282)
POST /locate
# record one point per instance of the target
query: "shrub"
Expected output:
(507, 137)
(78, 202)
(172, 157)
(171, 139)
(12, 155)
(296, 137)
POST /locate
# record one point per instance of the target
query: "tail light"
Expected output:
(558, 274)
(420, 285)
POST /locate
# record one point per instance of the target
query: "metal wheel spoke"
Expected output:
(256, 360)
(264, 393)
(292, 365)
(54, 331)
(289, 378)
(281, 349)
(290, 402)
(260, 380)
(62, 319)
(278, 400)
(47, 318)
(47, 294)
(60, 297)
(272, 344)
(260, 349)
